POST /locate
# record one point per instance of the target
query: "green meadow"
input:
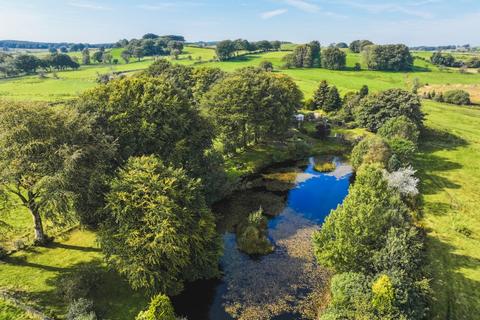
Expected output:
(447, 162)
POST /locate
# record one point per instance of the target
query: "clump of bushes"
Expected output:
(160, 308)
(252, 235)
(266, 66)
(325, 166)
(458, 97)
(81, 283)
(370, 150)
(377, 252)
(81, 309)
(3, 253)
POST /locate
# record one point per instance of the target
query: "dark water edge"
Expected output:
(302, 204)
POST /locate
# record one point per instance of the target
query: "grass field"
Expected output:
(34, 274)
(71, 83)
(450, 174)
(447, 162)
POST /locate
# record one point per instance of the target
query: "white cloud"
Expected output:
(273, 13)
(168, 5)
(303, 5)
(410, 9)
(88, 5)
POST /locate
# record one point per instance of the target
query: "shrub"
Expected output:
(459, 97)
(383, 294)
(404, 181)
(357, 67)
(266, 66)
(322, 130)
(325, 167)
(80, 283)
(160, 308)
(399, 127)
(403, 149)
(81, 309)
(252, 234)
(3, 253)
(370, 150)
(351, 296)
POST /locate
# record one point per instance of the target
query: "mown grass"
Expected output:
(34, 274)
(450, 174)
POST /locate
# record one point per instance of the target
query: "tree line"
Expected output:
(448, 60)
(151, 45)
(12, 65)
(372, 241)
(376, 57)
(228, 49)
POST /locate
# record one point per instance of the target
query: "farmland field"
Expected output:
(447, 162)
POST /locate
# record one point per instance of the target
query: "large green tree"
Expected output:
(376, 109)
(252, 105)
(160, 232)
(333, 58)
(393, 57)
(157, 115)
(47, 159)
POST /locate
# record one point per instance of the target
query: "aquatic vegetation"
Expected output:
(252, 235)
(325, 166)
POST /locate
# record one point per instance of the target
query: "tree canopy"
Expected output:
(252, 105)
(376, 109)
(47, 156)
(392, 57)
(159, 232)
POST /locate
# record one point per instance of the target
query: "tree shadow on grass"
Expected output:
(454, 296)
(55, 245)
(430, 166)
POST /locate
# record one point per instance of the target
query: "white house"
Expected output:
(300, 117)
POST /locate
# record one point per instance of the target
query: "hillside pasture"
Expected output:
(472, 89)
(450, 175)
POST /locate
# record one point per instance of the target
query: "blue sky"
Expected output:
(429, 22)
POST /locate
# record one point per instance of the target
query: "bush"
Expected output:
(458, 97)
(81, 309)
(399, 127)
(403, 149)
(252, 235)
(80, 283)
(370, 150)
(322, 130)
(3, 253)
(160, 308)
(266, 66)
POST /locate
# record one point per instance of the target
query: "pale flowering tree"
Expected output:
(404, 181)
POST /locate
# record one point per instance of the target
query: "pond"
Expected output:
(286, 283)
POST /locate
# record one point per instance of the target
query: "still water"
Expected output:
(284, 284)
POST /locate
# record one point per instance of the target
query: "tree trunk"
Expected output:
(40, 238)
(39, 234)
